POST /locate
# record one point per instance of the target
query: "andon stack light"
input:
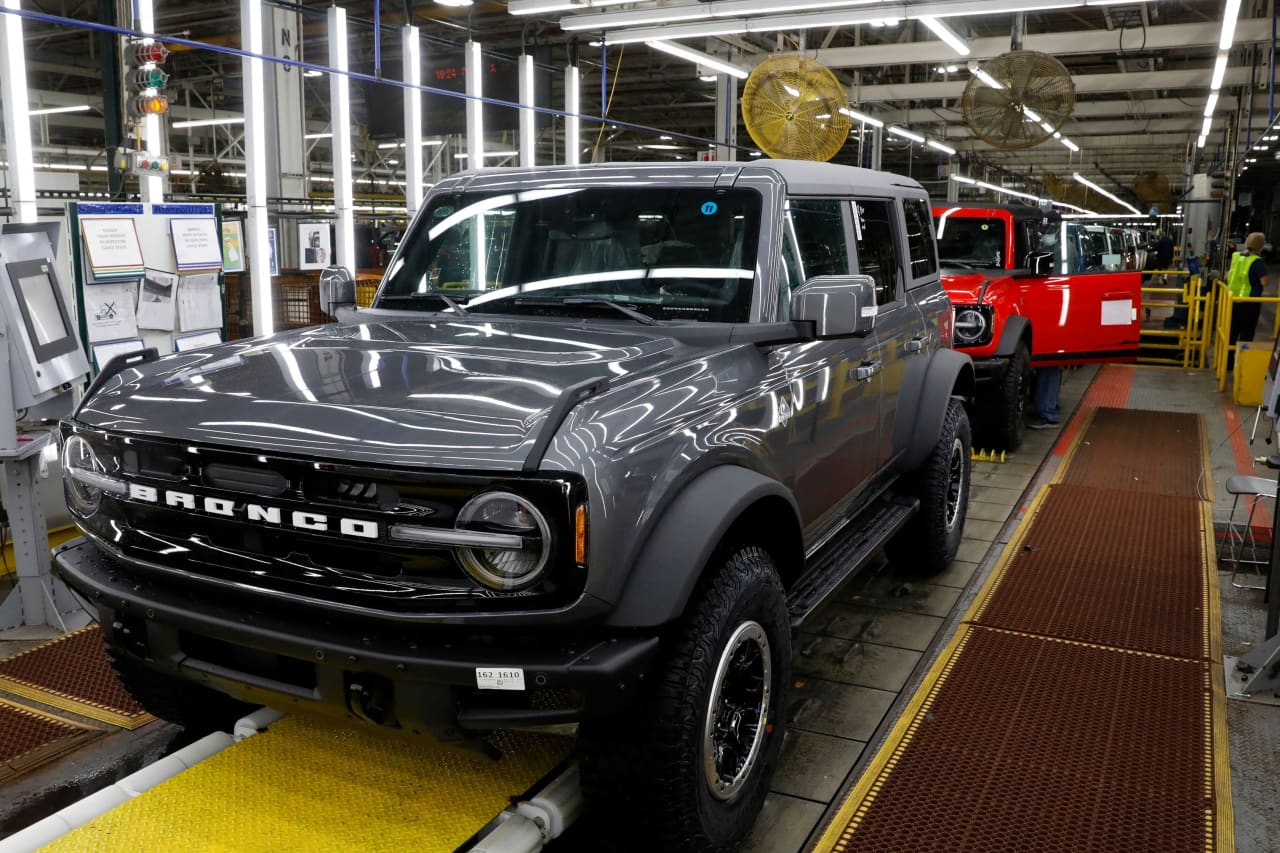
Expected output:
(145, 80)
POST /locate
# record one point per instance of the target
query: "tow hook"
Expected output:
(369, 697)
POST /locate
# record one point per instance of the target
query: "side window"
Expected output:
(924, 257)
(873, 228)
(819, 231)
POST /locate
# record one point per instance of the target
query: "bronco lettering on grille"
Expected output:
(274, 515)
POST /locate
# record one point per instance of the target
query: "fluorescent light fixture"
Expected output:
(905, 134)
(984, 76)
(489, 154)
(684, 13)
(382, 146)
(1211, 104)
(311, 72)
(1031, 114)
(1229, 16)
(318, 136)
(540, 7)
(1048, 128)
(660, 147)
(48, 111)
(862, 117)
(454, 3)
(1219, 72)
(1071, 146)
(208, 122)
(756, 154)
(707, 78)
(1091, 185)
(945, 149)
(945, 33)
(962, 179)
(1251, 159)
(699, 57)
(1206, 126)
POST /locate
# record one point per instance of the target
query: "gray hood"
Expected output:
(436, 392)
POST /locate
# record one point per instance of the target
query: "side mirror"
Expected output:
(337, 287)
(1040, 264)
(837, 305)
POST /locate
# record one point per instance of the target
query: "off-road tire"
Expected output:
(1001, 415)
(930, 540)
(194, 707)
(643, 774)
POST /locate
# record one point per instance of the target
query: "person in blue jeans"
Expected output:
(1044, 396)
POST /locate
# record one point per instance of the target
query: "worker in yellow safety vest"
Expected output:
(1247, 277)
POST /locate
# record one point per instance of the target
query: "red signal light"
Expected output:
(149, 53)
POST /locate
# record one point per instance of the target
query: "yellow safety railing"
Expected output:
(1188, 345)
(1222, 346)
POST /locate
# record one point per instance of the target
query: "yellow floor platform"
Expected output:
(312, 785)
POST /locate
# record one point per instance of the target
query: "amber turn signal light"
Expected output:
(580, 535)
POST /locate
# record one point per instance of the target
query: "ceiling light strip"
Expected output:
(945, 33)
(48, 111)
(862, 117)
(706, 60)
(1091, 185)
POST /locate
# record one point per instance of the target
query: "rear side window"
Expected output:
(873, 227)
(924, 257)
(819, 231)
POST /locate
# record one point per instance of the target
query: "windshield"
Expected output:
(671, 253)
(971, 241)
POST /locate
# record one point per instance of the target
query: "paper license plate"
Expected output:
(498, 678)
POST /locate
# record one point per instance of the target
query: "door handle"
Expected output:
(916, 344)
(865, 371)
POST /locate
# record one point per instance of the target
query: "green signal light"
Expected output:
(148, 78)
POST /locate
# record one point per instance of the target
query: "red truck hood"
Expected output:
(963, 289)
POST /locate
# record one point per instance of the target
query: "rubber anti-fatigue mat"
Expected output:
(72, 673)
(311, 785)
(29, 738)
(1109, 567)
(1036, 744)
(1155, 453)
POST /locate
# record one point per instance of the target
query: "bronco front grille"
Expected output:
(318, 529)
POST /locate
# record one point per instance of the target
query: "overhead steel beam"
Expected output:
(1135, 108)
(1086, 84)
(1171, 36)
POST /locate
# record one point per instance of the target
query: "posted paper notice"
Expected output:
(110, 312)
(199, 303)
(155, 302)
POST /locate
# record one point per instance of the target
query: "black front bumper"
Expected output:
(989, 371)
(386, 674)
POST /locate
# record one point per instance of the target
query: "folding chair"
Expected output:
(1238, 535)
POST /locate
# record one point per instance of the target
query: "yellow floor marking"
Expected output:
(1076, 441)
(314, 785)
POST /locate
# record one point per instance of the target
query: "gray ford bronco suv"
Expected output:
(605, 438)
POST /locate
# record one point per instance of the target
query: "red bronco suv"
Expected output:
(1029, 292)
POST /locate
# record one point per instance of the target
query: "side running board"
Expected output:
(850, 551)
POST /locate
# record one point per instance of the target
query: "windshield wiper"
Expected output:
(417, 297)
(638, 316)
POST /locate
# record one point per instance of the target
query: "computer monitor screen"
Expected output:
(47, 323)
(44, 312)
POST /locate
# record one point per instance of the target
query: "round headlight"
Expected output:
(503, 513)
(971, 325)
(78, 459)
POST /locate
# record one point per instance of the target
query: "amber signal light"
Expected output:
(580, 535)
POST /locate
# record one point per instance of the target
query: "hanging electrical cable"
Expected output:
(609, 103)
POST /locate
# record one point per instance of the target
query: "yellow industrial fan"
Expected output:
(1018, 99)
(792, 108)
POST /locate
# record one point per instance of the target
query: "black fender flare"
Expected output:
(1016, 329)
(672, 561)
(926, 391)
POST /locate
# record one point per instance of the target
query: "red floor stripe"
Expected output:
(1110, 387)
(1244, 465)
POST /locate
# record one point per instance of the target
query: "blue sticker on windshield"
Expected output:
(709, 208)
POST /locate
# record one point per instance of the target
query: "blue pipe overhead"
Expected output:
(58, 20)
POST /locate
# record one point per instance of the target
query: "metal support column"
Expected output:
(255, 166)
(108, 47)
(17, 122)
(726, 117)
(475, 107)
(340, 112)
(287, 152)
